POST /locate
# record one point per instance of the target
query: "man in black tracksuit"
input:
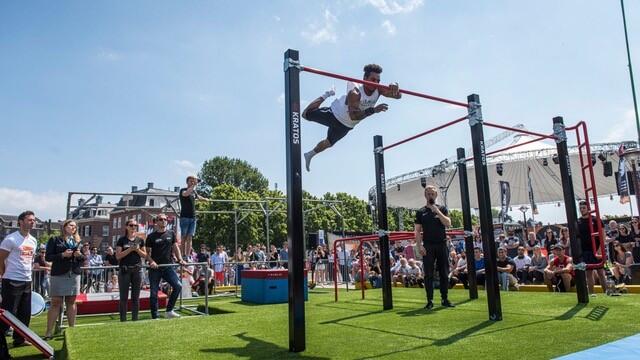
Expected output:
(431, 222)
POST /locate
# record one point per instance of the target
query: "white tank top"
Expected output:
(340, 109)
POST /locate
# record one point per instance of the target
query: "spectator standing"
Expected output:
(41, 269)
(430, 232)
(589, 254)
(162, 247)
(129, 253)
(16, 263)
(284, 255)
(218, 260)
(240, 259)
(95, 260)
(274, 256)
(64, 253)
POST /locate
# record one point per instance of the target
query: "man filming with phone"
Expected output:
(430, 225)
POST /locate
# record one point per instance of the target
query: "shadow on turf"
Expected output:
(259, 349)
(597, 313)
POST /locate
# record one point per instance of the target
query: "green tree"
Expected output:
(239, 173)
(219, 228)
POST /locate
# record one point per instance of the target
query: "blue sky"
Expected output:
(104, 95)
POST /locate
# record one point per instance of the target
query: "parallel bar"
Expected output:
(570, 207)
(466, 220)
(381, 197)
(381, 86)
(295, 227)
(484, 207)
(518, 130)
(425, 132)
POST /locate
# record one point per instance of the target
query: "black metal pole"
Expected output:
(570, 206)
(295, 227)
(466, 223)
(633, 86)
(383, 226)
(484, 208)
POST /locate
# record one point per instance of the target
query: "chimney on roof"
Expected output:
(149, 185)
(98, 199)
(134, 188)
(176, 188)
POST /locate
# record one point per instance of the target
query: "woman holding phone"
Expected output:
(66, 259)
(130, 252)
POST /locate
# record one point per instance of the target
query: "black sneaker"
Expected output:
(429, 305)
(447, 303)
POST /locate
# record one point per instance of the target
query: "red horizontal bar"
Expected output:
(381, 86)
(425, 133)
(518, 130)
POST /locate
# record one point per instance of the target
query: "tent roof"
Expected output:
(545, 179)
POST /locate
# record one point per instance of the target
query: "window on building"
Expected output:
(119, 223)
(87, 230)
(152, 202)
(115, 223)
(105, 230)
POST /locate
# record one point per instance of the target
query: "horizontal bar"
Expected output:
(381, 86)
(425, 133)
(518, 130)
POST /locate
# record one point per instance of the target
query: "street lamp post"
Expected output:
(524, 210)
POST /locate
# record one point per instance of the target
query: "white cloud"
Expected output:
(389, 27)
(46, 205)
(109, 55)
(184, 167)
(276, 18)
(280, 98)
(391, 7)
(621, 131)
(323, 32)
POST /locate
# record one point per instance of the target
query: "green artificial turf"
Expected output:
(535, 326)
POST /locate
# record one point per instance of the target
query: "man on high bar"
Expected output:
(347, 111)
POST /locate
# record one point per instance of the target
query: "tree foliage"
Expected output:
(239, 173)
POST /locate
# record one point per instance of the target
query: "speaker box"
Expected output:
(312, 241)
(607, 168)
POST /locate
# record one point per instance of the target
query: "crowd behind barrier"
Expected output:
(527, 266)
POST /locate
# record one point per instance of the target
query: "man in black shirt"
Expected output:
(589, 254)
(188, 197)
(161, 248)
(431, 222)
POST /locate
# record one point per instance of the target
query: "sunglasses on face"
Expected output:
(162, 219)
(132, 225)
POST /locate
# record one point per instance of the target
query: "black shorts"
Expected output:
(336, 130)
(589, 258)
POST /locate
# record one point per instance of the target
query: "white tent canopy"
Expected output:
(406, 190)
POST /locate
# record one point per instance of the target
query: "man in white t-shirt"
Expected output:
(16, 258)
(347, 111)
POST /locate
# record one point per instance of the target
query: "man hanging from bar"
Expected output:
(348, 110)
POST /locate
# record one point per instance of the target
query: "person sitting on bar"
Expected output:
(347, 111)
